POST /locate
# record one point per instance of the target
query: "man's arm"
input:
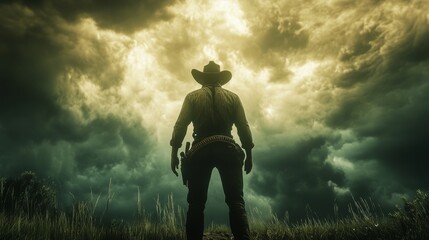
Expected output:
(243, 128)
(245, 135)
(179, 133)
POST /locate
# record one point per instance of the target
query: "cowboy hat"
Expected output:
(211, 75)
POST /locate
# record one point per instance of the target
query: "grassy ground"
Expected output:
(410, 222)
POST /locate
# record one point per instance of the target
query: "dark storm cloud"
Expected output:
(29, 67)
(296, 177)
(36, 55)
(385, 100)
(375, 107)
(45, 124)
(283, 34)
(277, 34)
(111, 142)
(123, 16)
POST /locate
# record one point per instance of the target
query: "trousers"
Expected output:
(229, 163)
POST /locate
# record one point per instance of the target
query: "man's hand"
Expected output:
(248, 163)
(174, 161)
(174, 164)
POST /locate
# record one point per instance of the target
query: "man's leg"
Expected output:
(197, 196)
(230, 170)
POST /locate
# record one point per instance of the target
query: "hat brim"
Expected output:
(206, 78)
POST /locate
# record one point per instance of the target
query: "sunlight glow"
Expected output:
(139, 61)
(90, 90)
(304, 71)
(210, 52)
(269, 111)
(219, 16)
(232, 15)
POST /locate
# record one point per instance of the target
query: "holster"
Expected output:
(184, 164)
(185, 157)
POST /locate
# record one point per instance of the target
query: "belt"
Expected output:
(202, 135)
(208, 140)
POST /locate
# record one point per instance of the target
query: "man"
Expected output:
(213, 110)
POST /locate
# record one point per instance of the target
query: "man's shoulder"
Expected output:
(203, 91)
(195, 92)
(231, 93)
(233, 97)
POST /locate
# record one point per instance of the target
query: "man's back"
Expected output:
(212, 105)
(212, 110)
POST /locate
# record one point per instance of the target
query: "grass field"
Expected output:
(30, 220)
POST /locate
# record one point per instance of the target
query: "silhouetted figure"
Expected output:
(213, 110)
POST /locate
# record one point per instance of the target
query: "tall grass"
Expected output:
(364, 221)
(83, 223)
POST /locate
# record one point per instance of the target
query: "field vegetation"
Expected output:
(28, 210)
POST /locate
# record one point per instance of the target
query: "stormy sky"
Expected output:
(336, 93)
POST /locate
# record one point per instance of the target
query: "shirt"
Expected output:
(207, 111)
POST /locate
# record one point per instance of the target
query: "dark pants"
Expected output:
(229, 163)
